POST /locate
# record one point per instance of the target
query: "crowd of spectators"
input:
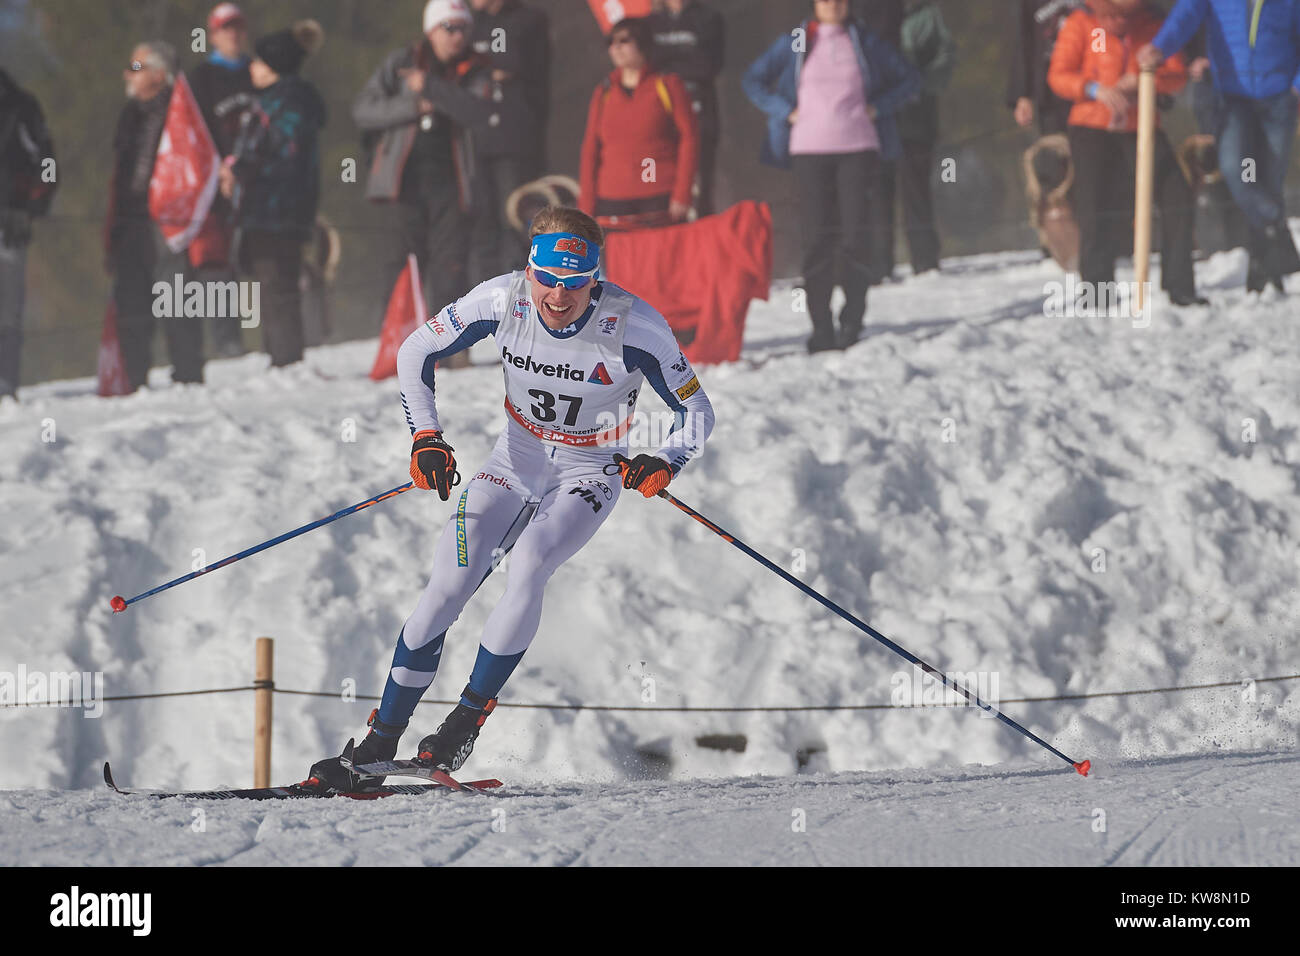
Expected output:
(455, 122)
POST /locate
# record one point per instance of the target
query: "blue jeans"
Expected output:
(1261, 130)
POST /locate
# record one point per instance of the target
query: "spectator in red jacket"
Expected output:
(640, 149)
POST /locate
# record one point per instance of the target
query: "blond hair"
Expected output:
(566, 219)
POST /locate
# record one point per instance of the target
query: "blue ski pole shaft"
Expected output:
(1082, 766)
(121, 604)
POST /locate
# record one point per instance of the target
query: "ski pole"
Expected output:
(1082, 766)
(120, 603)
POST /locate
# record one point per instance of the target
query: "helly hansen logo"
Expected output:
(587, 495)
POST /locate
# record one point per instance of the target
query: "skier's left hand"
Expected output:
(648, 474)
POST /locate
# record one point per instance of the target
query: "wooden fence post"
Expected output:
(1146, 158)
(265, 684)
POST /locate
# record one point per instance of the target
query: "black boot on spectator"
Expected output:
(1280, 256)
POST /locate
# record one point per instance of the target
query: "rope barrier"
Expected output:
(609, 708)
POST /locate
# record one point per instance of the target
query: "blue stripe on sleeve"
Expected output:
(474, 332)
(634, 357)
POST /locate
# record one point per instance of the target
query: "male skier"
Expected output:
(575, 350)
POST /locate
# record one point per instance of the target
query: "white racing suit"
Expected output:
(550, 481)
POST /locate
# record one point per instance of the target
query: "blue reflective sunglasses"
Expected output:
(573, 283)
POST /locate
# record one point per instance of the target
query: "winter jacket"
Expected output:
(1037, 24)
(1253, 45)
(25, 144)
(276, 158)
(690, 45)
(1079, 60)
(388, 112)
(772, 84)
(521, 103)
(135, 147)
(929, 47)
(212, 82)
(655, 122)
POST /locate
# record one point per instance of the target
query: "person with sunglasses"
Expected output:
(576, 351)
(641, 145)
(421, 114)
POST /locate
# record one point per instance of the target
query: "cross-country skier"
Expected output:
(575, 351)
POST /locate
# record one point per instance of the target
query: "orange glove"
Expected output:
(433, 466)
(648, 474)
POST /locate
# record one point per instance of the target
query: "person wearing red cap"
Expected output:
(219, 83)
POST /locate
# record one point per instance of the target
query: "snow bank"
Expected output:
(1060, 506)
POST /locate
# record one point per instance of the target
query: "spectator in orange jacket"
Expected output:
(641, 146)
(1094, 66)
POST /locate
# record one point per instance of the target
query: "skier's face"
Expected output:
(558, 307)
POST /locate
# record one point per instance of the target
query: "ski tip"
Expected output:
(118, 603)
(1083, 766)
(108, 774)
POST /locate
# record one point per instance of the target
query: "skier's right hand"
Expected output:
(433, 466)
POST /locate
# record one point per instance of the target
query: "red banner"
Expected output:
(184, 171)
(112, 370)
(609, 12)
(700, 275)
(404, 314)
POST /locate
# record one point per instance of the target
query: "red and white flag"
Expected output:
(112, 370)
(404, 314)
(609, 12)
(184, 171)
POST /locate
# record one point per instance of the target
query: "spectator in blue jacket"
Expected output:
(1254, 52)
(831, 89)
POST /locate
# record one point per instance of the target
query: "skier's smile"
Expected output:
(558, 307)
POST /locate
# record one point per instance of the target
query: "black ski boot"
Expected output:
(448, 747)
(331, 774)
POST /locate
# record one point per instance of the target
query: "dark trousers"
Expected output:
(909, 176)
(13, 268)
(706, 112)
(429, 224)
(836, 192)
(1104, 164)
(274, 261)
(497, 247)
(141, 258)
(225, 334)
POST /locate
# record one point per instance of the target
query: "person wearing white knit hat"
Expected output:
(420, 113)
(441, 12)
